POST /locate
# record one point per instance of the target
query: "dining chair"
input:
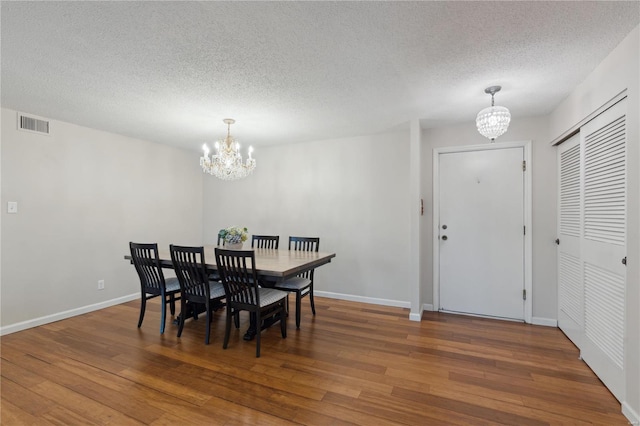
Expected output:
(195, 286)
(265, 241)
(240, 280)
(152, 281)
(302, 284)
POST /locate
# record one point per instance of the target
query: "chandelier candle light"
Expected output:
(493, 121)
(227, 163)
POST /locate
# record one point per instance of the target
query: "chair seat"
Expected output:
(172, 284)
(270, 295)
(294, 284)
(216, 290)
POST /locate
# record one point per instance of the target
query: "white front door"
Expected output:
(481, 232)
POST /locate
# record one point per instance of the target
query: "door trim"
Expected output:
(526, 145)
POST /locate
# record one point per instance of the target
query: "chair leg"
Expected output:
(227, 327)
(313, 305)
(236, 319)
(183, 313)
(258, 333)
(288, 303)
(163, 315)
(194, 308)
(298, 307)
(208, 319)
(172, 303)
(143, 307)
(283, 323)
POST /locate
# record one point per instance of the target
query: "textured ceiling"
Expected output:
(296, 71)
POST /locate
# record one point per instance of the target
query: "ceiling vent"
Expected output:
(33, 124)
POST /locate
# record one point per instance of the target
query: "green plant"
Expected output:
(233, 234)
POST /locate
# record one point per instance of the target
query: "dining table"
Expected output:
(272, 265)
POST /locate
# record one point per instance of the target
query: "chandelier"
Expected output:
(227, 163)
(493, 121)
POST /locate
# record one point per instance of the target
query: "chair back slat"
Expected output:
(236, 268)
(305, 244)
(265, 241)
(189, 265)
(147, 263)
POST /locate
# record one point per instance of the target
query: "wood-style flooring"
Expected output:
(353, 363)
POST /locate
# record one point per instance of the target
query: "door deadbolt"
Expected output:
(444, 237)
(444, 226)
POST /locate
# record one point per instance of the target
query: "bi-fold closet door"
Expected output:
(592, 243)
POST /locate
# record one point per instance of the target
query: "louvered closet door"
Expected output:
(603, 245)
(592, 236)
(570, 280)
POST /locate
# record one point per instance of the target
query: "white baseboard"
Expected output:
(413, 316)
(548, 322)
(13, 328)
(417, 316)
(630, 414)
(354, 298)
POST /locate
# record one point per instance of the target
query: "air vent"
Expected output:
(33, 124)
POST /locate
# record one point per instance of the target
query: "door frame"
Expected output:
(526, 145)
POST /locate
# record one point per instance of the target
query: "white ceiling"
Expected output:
(296, 71)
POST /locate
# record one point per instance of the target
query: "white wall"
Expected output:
(543, 200)
(82, 196)
(619, 71)
(352, 193)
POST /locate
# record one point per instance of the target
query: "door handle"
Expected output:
(444, 237)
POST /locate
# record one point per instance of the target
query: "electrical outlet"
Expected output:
(100, 284)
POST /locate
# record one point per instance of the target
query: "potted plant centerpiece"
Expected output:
(233, 237)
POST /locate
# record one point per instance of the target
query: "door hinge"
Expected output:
(524, 294)
(524, 165)
(524, 228)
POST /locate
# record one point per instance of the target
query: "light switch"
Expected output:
(12, 207)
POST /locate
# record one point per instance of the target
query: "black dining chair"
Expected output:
(302, 284)
(240, 280)
(152, 281)
(265, 241)
(195, 286)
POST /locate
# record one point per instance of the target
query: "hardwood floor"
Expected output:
(352, 364)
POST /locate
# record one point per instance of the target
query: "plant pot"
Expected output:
(233, 246)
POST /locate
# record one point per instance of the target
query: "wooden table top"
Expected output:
(281, 264)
